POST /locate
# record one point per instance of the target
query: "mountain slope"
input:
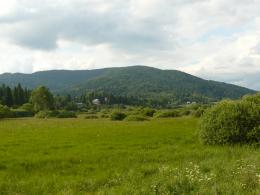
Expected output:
(136, 81)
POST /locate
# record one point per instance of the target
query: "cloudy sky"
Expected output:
(213, 39)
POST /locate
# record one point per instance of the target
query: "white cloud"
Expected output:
(6, 7)
(215, 39)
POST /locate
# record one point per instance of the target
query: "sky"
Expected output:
(213, 39)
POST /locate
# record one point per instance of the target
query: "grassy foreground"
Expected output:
(79, 156)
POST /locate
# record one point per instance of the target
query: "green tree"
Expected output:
(8, 97)
(20, 95)
(42, 99)
(232, 122)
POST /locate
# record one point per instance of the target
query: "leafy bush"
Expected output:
(5, 112)
(118, 116)
(169, 114)
(56, 114)
(136, 118)
(66, 114)
(43, 114)
(27, 107)
(46, 114)
(91, 116)
(148, 112)
(199, 112)
(104, 115)
(185, 112)
(231, 122)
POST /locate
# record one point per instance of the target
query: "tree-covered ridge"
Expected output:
(137, 82)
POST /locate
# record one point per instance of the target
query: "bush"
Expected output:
(5, 112)
(43, 114)
(118, 116)
(136, 118)
(19, 113)
(56, 114)
(169, 114)
(66, 114)
(27, 107)
(185, 112)
(199, 112)
(148, 112)
(104, 115)
(231, 122)
(91, 117)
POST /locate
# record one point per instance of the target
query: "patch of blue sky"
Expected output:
(222, 32)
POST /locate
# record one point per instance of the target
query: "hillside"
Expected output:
(135, 81)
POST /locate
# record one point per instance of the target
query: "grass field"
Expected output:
(80, 156)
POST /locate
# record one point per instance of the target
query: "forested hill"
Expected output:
(134, 81)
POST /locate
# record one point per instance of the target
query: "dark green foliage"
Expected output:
(118, 116)
(168, 114)
(71, 106)
(5, 112)
(231, 122)
(137, 85)
(20, 113)
(13, 96)
(66, 114)
(148, 112)
(91, 117)
(136, 118)
(8, 98)
(56, 114)
(105, 116)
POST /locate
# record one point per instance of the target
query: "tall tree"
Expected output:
(42, 99)
(20, 94)
(8, 97)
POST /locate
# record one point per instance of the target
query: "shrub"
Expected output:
(43, 114)
(5, 112)
(185, 112)
(27, 107)
(66, 114)
(148, 112)
(91, 117)
(18, 113)
(118, 116)
(104, 115)
(136, 118)
(169, 114)
(199, 112)
(231, 122)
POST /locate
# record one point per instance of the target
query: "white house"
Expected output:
(96, 102)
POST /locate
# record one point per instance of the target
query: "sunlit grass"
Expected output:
(82, 156)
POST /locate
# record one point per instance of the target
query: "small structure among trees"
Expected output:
(96, 102)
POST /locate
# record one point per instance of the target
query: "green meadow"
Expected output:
(100, 156)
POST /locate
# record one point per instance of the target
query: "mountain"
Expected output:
(134, 81)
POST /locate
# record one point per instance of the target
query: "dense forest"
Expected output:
(136, 85)
(14, 97)
(17, 96)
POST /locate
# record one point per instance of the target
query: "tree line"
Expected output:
(42, 99)
(14, 97)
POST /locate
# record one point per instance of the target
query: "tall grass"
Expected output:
(161, 156)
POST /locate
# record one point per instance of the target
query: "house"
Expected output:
(96, 102)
